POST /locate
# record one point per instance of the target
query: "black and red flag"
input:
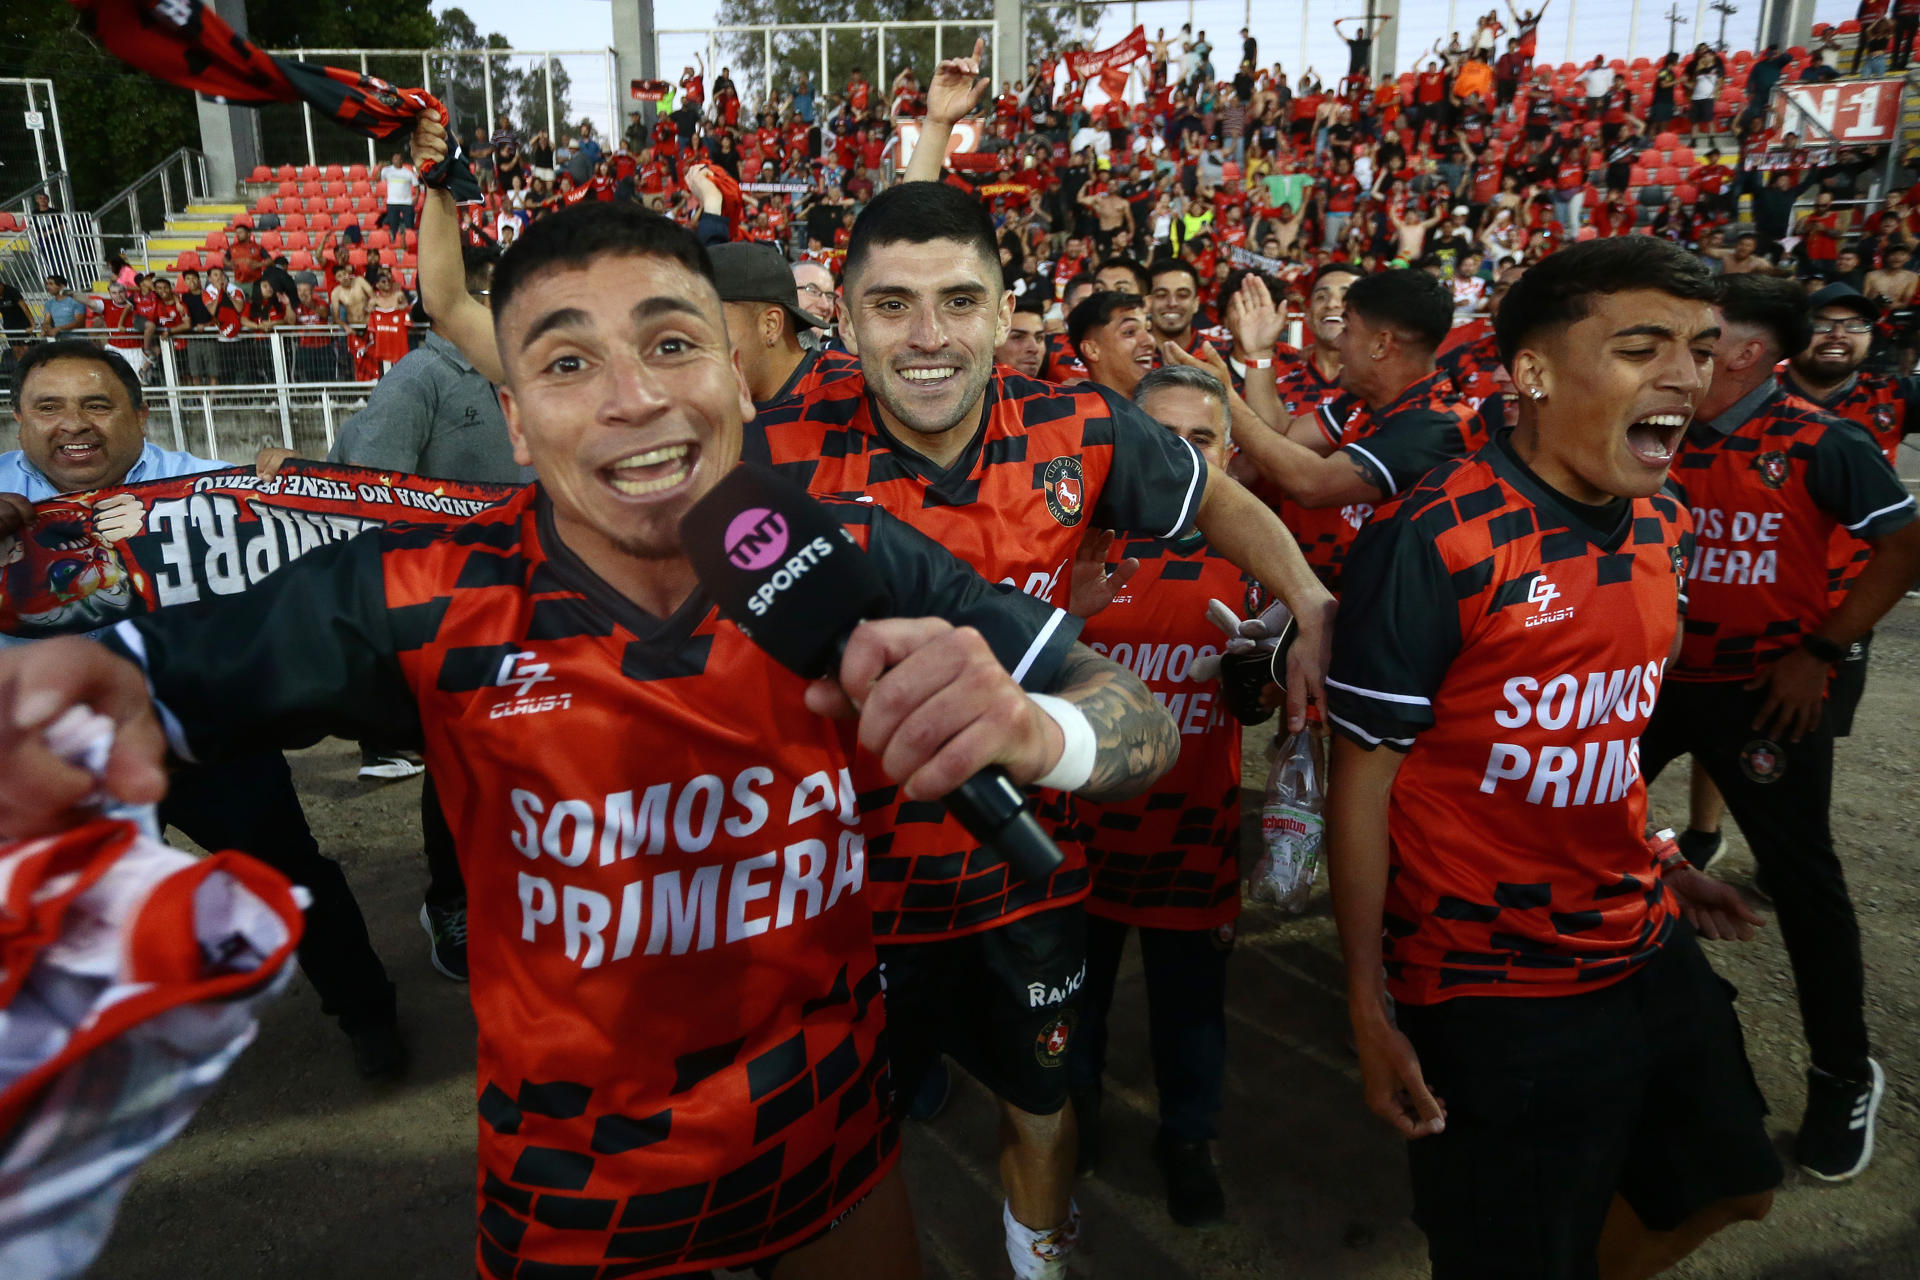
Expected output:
(184, 43)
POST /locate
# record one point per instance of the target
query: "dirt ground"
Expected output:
(297, 1169)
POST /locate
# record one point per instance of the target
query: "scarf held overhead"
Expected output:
(187, 44)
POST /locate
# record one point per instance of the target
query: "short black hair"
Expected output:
(1098, 310)
(586, 231)
(918, 213)
(1122, 262)
(1556, 291)
(1334, 269)
(1164, 265)
(1406, 300)
(1031, 304)
(73, 349)
(1772, 303)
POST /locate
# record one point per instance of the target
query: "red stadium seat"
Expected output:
(212, 260)
(319, 222)
(340, 205)
(8, 222)
(359, 190)
(261, 174)
(332, 189)
(357, 259)
(309, 173)
(1568, 70)
(378, 238)
(369, 204)
(218, 240)
(270, 241)
(1851, 27)
(293, 222)
(285, 173)
(188, 261)
(1684, 157)
(287, 190)
(299, 260)
(356, 173)
(1797, 52)
(1667, 175)
(1687, 192)
(407, 276)
(412, 241)
(1639, 177)
(294, 240)
(266, 204)
(1642, 64)
(334, 173)
(389, 258)
(312, 191)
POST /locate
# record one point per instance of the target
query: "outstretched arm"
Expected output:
(956, 90)
(457, 315)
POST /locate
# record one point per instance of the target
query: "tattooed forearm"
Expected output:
(1137, 739)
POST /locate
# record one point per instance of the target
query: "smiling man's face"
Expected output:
(629, 412)
(925, 320)
(78, 424)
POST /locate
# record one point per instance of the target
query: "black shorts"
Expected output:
(1002, 1003)
(1702, 110)
(1848, 684)
(1555, 1104)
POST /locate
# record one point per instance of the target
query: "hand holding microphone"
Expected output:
(936, 707)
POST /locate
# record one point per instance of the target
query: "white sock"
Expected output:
(1040, 1255)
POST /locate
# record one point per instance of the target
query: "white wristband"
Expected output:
(1075, 765)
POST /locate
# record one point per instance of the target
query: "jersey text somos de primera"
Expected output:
(1047, 464)
(1167, 859)
(1513, 654)
(671, 958)
(1768, 493)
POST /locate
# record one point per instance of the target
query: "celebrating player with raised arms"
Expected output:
(669, 943)
(1569, 1068)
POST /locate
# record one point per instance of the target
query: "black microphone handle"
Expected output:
(994, 812)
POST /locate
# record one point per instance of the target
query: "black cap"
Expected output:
(1840, 294)
(751, 271)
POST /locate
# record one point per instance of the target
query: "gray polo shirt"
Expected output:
(434, 414)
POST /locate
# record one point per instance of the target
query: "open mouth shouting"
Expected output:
(1652, 439)
(652, 472)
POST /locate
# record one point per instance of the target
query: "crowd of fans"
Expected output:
(1474, 159)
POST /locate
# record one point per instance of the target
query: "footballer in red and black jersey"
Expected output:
(1513, 650)
(1887, 408)
(1424, 426)
(1475, 369)
(1770, 482)
(1168, 859)
(1301, 386)
(670, 947)
(1047, 464)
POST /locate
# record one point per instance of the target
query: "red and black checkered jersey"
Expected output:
(1514, 654)
(818, 368)
(1063, 364)
(1473, 368)
(1885, 407)
(1425, 425)
(1768, 492)
(1301, 386)
(1048, 463)
(670, 950)
(1168, 859)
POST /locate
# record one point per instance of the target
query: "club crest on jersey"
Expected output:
(1884, 416)
(1763, 761)
(1065, 490)
(1772, 467)
(1050, 1046)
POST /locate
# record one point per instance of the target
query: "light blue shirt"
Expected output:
(62, 310)
(17, 475)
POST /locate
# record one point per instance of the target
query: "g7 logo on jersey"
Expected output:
(1542, 592)
(525, 675)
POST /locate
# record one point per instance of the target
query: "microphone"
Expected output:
(790, 576)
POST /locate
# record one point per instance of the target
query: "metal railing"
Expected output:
(292, 386)
(62, 244)
(149, 201)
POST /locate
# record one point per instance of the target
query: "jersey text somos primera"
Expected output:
(670, 950)
(1048, 463)
(1514, 655)
(1167, 859)
(1768, 497)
